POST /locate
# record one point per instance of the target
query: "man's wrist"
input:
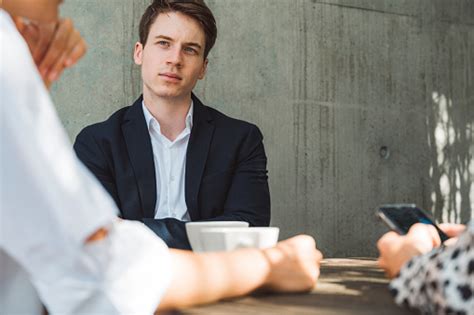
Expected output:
(272, 256)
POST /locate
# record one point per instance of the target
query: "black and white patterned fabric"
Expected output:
(441, 281)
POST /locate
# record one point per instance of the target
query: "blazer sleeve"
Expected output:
(171, 231)
(248, 198)
(91, 154)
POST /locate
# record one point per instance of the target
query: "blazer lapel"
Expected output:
(140, 152)
(196, 155)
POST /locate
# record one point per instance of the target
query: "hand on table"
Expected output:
(395, 250)
(54, 46)
(294, 264)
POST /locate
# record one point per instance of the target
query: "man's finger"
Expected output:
(29, 31)
(31, 35)
(57, 47)
(46, 33)
(55, 71)
(76, 53)
(47, 83)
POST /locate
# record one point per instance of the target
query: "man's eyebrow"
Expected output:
(163, 37)
(193, 44)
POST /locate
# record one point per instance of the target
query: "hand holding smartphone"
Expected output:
(400, 217)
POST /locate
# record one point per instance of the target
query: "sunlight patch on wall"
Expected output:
(452, 166)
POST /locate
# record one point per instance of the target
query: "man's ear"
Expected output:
(204, 69)
(138, 53)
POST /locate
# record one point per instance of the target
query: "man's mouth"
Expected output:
(170, 75)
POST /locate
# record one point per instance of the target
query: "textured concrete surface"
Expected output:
(361, 102)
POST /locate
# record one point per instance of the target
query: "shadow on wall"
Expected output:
(450, 139)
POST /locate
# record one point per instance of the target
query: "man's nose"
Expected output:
(175, 57)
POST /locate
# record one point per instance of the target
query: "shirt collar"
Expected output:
(150, 119)
(189, 116)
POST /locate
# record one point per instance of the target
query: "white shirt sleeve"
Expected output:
(50, 203)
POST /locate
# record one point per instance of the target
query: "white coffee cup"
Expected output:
(193, 229)
(227, 239)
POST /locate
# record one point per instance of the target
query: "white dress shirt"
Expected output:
(50, 203)
(170, 168)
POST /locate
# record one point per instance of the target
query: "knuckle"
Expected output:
(418, 226)
(311, 280)
(386, 240)
(308, 240)
(76, 38)
(84, 47)
(381, 244)
(67, 22)
(58, 67)
(381, 263)
(51, 59)
(319, 255)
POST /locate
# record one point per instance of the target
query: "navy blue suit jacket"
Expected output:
(225, 179)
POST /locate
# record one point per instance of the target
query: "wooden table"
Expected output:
(346, 286)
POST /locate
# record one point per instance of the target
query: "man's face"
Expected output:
(172, 59)
(36, 10)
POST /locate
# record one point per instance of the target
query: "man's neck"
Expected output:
(169, 112)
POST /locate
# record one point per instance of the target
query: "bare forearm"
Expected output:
(205, 278)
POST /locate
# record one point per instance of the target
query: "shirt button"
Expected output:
(172, 178)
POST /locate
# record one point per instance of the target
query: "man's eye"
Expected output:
(163, 43)
(190, 50)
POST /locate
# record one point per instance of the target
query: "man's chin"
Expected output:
(171, 94)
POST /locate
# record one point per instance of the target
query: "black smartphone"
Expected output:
(400, 217)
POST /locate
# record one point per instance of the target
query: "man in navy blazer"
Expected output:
(223, 161)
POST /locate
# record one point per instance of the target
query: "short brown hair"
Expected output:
(195, 9)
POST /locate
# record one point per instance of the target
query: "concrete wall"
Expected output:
(361, 102)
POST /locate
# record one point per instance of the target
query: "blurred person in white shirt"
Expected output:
(60, 241)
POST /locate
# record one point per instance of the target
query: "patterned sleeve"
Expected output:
(441, 281)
